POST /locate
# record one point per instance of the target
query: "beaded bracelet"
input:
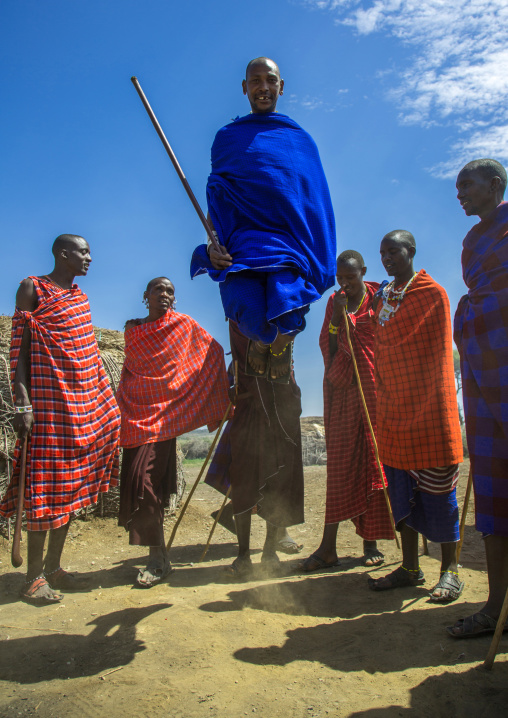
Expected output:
(23, 409)
(332, 329)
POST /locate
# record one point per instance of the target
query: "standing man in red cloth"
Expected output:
(65, 409)
(354, 489)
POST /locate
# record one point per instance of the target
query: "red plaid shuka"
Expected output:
(418, 416)
(73, 448)
(354, 489)
(173, 380)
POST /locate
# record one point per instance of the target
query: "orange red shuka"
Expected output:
(417, 414)
(73, 448)
(173, 380)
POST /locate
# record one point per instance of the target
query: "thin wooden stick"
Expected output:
(464, 513)
(217, 518)
(491, 655)
(191, 492)
(357, 373)
(176, 164)
(16, 557)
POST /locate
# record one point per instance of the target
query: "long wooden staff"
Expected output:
(357, 373)
(16, 557)
(219, 514)
(176, 164)
(489, 661)
(464, 513)
(191, 492)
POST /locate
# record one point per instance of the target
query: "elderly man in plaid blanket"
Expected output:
(66, 411)
(418, 430)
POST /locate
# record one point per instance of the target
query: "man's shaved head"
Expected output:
(403, 237)
(262, 61)
(488, 169)
(66, 241)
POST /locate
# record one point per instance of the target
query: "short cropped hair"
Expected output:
(63, 241)
(488, 169)
(351, 254)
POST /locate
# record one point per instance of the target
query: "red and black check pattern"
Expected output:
(73, 448)
(417, 414)
(354, 489)
(173, 380)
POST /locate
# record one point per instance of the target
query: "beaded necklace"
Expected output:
(358, 307)
(390, 294)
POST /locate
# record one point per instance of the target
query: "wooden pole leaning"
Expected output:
(191, 492)
(358, 380)
(501, 621)
(176, 164)
(464, 513)
(226, 497)
(16, 557)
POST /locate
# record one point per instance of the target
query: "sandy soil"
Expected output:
(201, 645)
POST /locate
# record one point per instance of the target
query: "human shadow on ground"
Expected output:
(476, 692)
(378, 643)
(326, 596)
(47, 657)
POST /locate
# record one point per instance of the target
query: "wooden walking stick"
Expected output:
(464, 513)
(489, 661)
(357, 373)
(16, 557)
(219, 514)
(191, 492)
(176, 164)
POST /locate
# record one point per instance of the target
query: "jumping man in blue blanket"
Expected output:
(269, 203)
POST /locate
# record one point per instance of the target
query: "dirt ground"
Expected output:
(202, 645)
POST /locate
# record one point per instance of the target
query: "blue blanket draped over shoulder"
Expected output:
(270, 204)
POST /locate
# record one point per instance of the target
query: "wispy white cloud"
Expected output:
(459, 71)
(309, 102)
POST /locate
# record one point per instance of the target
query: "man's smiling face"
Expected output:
(263, 86)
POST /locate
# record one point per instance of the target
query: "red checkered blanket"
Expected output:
(73, 447)
(354, 488)
(173, 380)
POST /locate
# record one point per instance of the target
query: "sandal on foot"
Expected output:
(156, 573)
(285, 360)
(63, 581)
(316, 563)
(289, 546)
(400, 578)
(449, 582)
(479, 624)
(38, 592)
(240, 569)
(271, 564)
(372, 557)
(253, 352)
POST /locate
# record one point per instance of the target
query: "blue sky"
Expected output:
(398, 95)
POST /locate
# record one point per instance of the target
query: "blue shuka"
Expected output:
(270, 204)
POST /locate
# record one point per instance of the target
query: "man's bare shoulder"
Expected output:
(26, 296)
